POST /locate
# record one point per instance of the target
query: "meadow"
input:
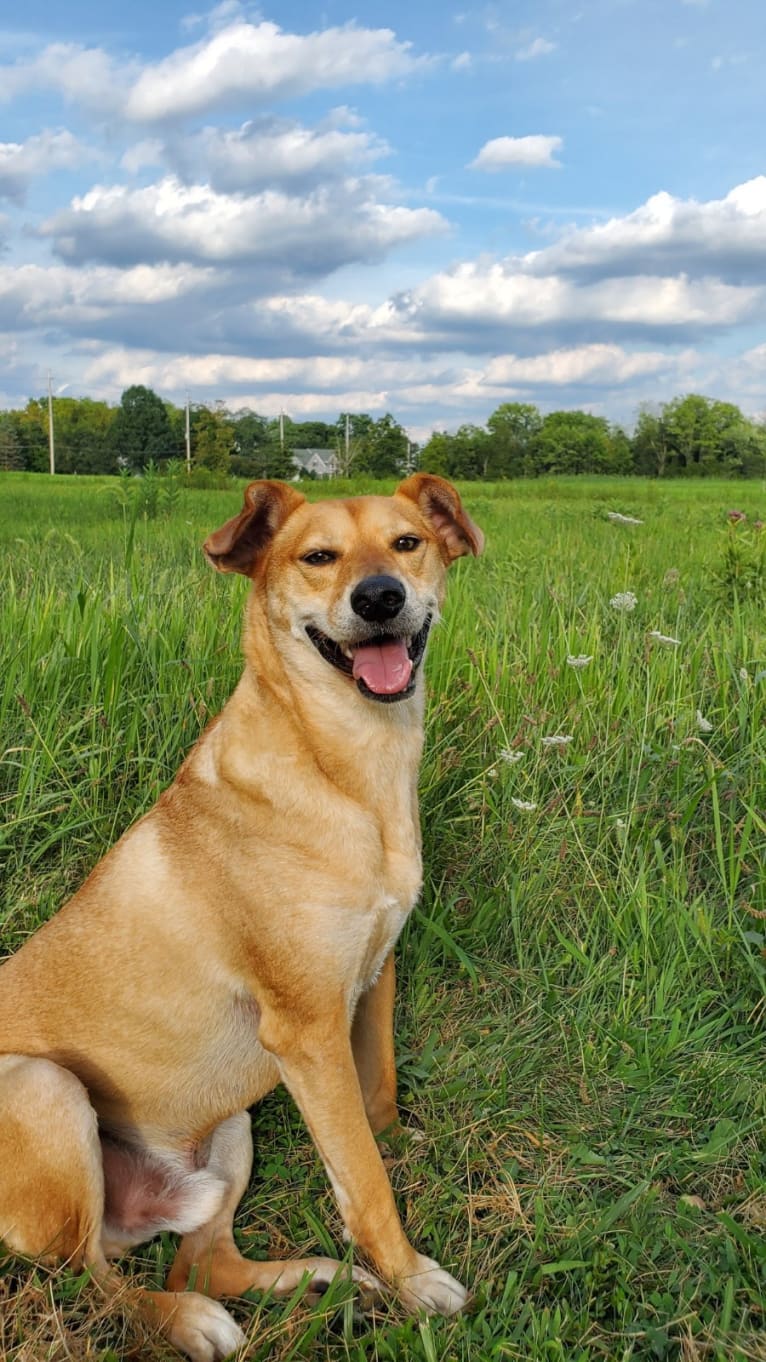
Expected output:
(580, 1029)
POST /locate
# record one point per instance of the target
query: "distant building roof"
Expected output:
(320, 462)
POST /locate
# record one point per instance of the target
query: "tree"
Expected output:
(351, 431)
(82, 431)
(11, 452)
(513, 427)
(385, 448)
(696, 436)
(33, 434)
(435, 456)
(650, 444)
(572, 442)
(141, 429)
(213, 438)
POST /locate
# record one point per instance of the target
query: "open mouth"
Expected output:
(384, 667)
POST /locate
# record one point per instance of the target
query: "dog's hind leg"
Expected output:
(51, 1178)
(52, 1199)
(208, 1259)
(372, 1039)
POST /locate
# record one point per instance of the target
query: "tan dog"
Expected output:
(241, 934)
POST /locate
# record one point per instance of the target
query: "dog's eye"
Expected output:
(406, 543)
(318, 557)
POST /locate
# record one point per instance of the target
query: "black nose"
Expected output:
(378, 598)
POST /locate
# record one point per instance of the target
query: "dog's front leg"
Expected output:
(372, 1040)
(316, 1063)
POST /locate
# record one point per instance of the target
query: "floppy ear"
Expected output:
(238, 543)
(439, 504)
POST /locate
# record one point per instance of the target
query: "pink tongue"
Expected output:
(385, 667)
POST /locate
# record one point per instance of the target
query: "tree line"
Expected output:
(691, 436)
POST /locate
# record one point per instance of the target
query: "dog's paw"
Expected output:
(324, 1271)
(202, 1329)
(428, 1287)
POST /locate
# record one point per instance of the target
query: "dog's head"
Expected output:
(358, 582)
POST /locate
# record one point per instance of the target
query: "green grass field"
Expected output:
(581, 1018)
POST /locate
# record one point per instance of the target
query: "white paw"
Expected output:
(203, 1330)
(432, 1289)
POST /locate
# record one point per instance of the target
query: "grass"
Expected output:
(581, 1016)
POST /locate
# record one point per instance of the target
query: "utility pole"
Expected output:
(282, 430)
(347, 469)
(188, 435)
(51, 441)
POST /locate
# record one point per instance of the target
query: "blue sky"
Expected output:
(426, 209)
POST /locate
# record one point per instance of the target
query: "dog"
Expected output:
(241, 934)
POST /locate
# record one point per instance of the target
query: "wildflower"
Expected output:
(734, 517)
(558, 740)
(664, 638)
(525, 804)
(620, 823)
(744, 674)
(671, 577)
(579, 662)
(758, 525)
(511, 755)
(623, 519)
(624, 601)
(704, 725)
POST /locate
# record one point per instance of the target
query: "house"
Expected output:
(316, 463)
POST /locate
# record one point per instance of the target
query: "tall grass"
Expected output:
(580, 1032)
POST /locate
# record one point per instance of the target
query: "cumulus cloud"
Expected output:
(722, 237)
(478, 302)
(82, 75)
(258, 62)
(22, 162)
(238, 62)
(169, 221)
(501, 152)
(606, 365)
(268, 151)
(60, 296)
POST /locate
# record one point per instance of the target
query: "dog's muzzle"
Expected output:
(383, 666)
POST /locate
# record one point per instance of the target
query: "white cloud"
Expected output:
(39, 296)
(21, 162)
(501, 152)
(461, 62)
(483, 295)
(724, 237)
(603, 364)
(149, 152)
(170, 221)
(82, 75)
(270, 152)
(257, 62)
(539, 47)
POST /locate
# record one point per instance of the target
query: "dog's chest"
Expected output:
(375, 940)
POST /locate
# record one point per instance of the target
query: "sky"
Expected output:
(427, 209)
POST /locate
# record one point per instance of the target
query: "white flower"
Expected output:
(525, 804)
(511, 755)
(744, 674)
(578, 662)
(620, 823)
(558, 740)
(664, 638)
(625, 601)
(623, 519)
(704, 725)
